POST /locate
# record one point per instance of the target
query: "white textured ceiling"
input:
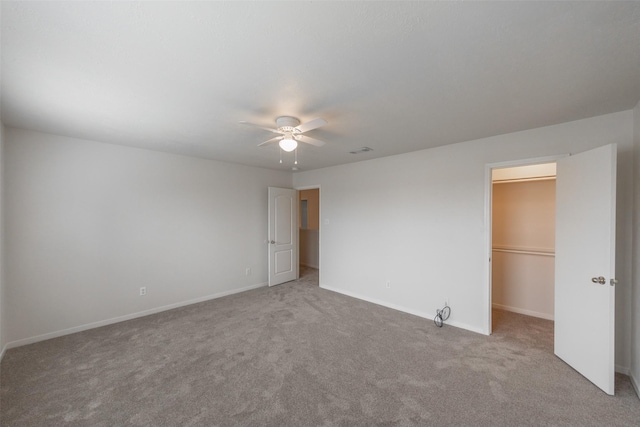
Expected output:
(393, 76)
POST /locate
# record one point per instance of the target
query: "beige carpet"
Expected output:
(298, 355)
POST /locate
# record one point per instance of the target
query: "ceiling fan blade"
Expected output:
(270, 141)
(259, 126)
(309, 140)
(313, 124)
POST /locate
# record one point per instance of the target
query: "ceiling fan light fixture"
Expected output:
(288, 144)
(290, 133)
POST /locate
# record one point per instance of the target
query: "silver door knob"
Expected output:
(273, 242)
(600, 280)
(613, 282)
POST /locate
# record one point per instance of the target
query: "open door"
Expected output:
(585, 264)
(283, 240)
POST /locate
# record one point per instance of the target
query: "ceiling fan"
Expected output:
(291, 132)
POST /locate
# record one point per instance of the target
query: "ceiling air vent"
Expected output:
(361, 150)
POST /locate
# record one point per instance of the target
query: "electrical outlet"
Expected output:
(388, 285)
(143, 291)
(247, 272)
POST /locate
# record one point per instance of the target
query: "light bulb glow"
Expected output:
(288, 144)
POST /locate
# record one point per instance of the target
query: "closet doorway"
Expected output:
(309, 233)
(523, 240)
(584, 253)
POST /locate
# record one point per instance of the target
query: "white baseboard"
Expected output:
(523, 311)
(635, 384)
(126, 317)
(2, 351)
(418, 313)
(622, 369)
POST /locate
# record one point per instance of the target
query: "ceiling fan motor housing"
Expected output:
(287, 123)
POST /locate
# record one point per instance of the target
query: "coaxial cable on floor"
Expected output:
(441, 316)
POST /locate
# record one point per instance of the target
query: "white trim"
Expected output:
(3, 351)
(635, 384)
(307, 187)
(317, 267)
(126, 317)
(523, 311)
(525, 162)
(488, 254)
(622, 369)
(403, 309)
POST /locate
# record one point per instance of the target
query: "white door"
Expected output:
(283, 239)
(585, 264)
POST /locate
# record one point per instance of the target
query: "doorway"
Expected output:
(309, 233)
(584, 279)
(523, 240)
(526, 170)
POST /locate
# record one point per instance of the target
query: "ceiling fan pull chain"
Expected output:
(280, 155)
(296, 157)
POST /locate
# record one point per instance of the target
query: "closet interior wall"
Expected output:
(524, 247)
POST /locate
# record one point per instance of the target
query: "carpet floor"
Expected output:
(298, 355)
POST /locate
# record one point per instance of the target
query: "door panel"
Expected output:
(283, 248)
(585, 249)
(284, 262)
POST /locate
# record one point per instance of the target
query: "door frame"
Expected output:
(488, 229)
(312, 187)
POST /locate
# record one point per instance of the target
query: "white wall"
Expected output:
(88, 224)
(418, 221)
(309, 248)
(523, 260)
(635, 320)
(3, 300)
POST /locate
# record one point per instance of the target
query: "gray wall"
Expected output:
(635, 321)
(88, 224)
(417, 220)
(3, 304)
